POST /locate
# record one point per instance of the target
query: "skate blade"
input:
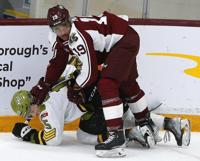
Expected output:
(185, 127)
(149, 138)
(114, 153)
(138, 142)
(136, 136)
(150, 141)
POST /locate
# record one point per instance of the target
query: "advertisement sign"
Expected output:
(168, 65)
(24, 55)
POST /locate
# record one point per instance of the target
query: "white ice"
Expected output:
(13, 149)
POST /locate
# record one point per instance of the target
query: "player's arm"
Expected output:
(54, 70)
(26, 133)
(56, 65)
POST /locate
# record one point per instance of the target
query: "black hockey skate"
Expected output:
(180, 128)
(113, 146)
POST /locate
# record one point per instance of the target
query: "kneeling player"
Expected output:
(53, 113)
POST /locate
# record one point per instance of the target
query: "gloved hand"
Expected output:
(76, 95)
(24, 131)
(40, 91)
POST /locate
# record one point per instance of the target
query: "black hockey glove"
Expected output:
(40, 91)
(24, 131)
(76, 95)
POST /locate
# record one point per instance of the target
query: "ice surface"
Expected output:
(13, 149)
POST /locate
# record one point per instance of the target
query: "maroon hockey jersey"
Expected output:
(90, 39)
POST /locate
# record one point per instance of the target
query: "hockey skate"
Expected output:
(113, 146)
(180, 128)
(135, 134)
(148, 131)
(142, 135)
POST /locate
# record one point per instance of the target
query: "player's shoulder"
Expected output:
(112, 15)
(75, 35)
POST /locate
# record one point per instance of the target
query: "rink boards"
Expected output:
(7, 122)
(168, 64)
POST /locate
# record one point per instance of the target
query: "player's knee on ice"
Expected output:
(86, 138)
(54, 141)
(58, 111)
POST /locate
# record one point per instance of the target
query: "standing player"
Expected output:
(105, 40)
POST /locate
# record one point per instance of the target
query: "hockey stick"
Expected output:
(155, 107)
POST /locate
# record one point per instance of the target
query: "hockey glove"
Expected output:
(40, 91)
(76, 95)
(24, 131)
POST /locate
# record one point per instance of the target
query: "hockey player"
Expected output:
(53, 113)
(57, 110)
(105, 40)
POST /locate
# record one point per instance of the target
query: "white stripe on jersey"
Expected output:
(54, 53)
(102, 42)
(102, 20)
(138, 106)
(113, 112)
(66, 42)
(54, 45)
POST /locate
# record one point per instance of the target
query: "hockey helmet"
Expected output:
(21, 102)
(57, 15)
